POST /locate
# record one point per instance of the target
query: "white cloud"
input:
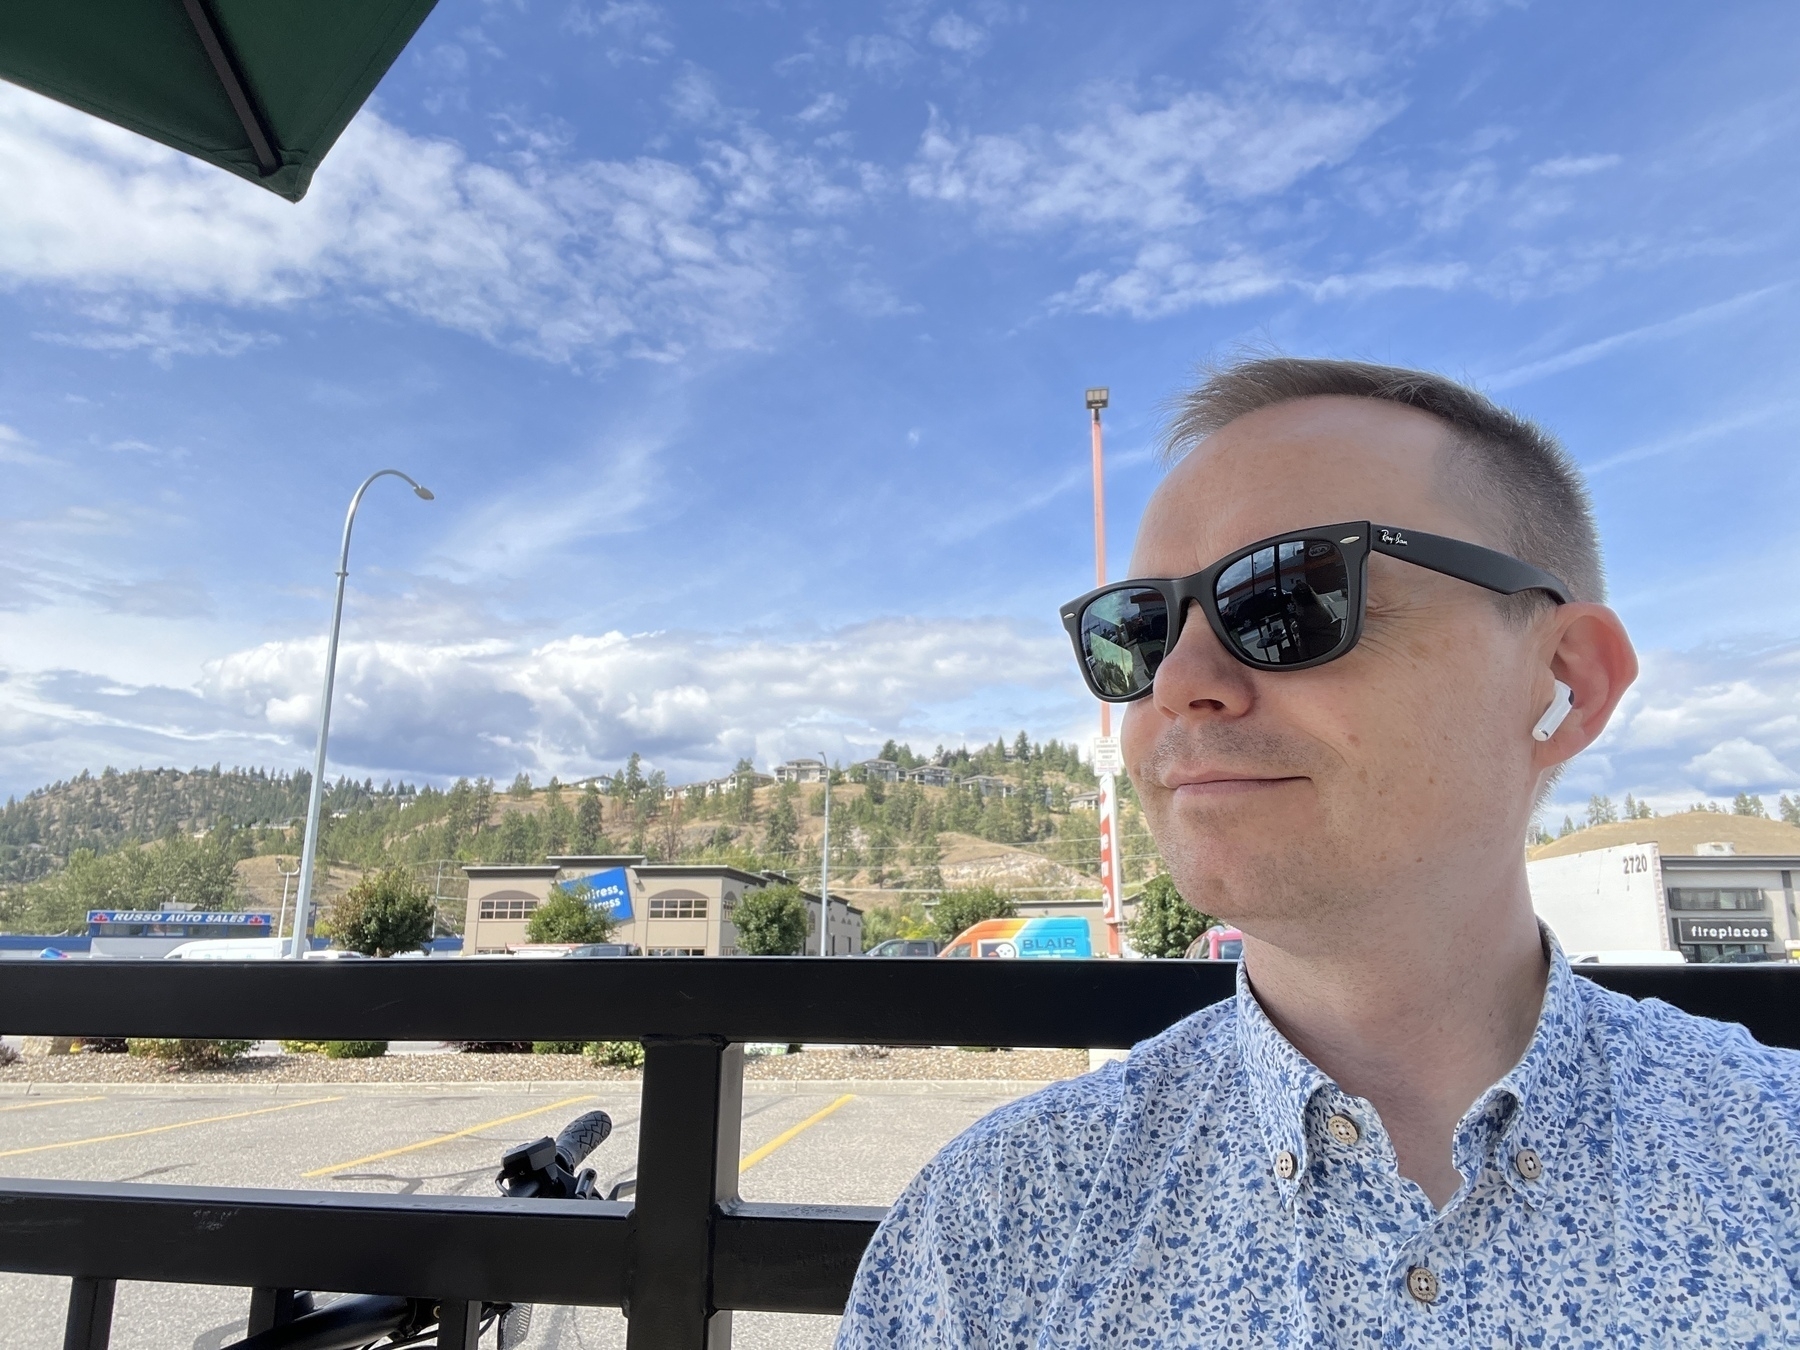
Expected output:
(564, 260)
(1731, 764)
(1574, 166)
(880, 54)
(1143, 170)
(691, 704)
(957, 34)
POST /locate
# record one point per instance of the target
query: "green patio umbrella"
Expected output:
(260, 87)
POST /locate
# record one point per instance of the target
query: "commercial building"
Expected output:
(1727, 882)
(664, 909)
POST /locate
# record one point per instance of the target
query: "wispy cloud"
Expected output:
(1655, 332)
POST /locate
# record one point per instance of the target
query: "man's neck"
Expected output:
(1419, 1020)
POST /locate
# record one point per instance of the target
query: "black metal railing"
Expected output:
(687, 1251)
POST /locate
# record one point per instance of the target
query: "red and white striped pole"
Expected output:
(1106, 749)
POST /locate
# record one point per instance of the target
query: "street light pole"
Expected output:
(1106, 757)
(286, 877)
(309, 849)
(825, 867)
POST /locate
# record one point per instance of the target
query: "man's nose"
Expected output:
(1199, 677)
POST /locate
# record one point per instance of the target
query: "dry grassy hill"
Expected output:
(1680, 834)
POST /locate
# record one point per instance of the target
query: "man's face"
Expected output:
(1279, 798)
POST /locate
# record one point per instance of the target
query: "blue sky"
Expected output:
(744, 346)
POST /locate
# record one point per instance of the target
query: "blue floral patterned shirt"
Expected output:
(1633, 1181)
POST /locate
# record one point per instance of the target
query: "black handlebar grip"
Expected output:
(581, 1136)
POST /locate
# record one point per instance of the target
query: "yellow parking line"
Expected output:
(50, 1101)
(164, 1129)
(444, 1138)
(751, 1159)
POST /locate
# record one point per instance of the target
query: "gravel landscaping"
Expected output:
(836, 1065)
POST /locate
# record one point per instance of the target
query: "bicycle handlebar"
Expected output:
(581, 1137)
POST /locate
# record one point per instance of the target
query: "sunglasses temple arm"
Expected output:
(1466, 562)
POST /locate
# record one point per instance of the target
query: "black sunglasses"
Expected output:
(1284, 603)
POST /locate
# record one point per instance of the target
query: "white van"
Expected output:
(250, 949)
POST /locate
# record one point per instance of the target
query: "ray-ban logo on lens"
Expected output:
(1393, 537)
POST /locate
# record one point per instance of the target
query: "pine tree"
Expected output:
(588, 820)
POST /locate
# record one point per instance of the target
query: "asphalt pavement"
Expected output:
(845, 1143)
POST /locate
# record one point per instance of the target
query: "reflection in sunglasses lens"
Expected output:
(1123, 634)
(1287, 603)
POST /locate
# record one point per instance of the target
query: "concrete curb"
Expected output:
(880, 1087)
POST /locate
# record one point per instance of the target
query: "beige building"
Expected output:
(664, 909)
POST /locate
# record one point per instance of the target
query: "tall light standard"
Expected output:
(1106, 760)
(310, 848)
(286, 877)
(825, 867)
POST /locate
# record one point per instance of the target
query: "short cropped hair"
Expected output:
(1510, 471)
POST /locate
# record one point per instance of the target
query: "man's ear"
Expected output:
(1590, 652)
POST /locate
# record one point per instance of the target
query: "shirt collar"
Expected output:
(1528, 1108)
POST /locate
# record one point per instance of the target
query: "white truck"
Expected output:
(1607, 905)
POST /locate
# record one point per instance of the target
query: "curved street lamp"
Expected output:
(310, 847)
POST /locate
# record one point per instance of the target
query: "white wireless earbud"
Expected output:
(1553, 716)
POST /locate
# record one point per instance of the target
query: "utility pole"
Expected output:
(1106, 758)
(825, 867)
(285, 878)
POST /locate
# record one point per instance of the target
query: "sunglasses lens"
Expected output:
(1287, 603)
(1123, 634)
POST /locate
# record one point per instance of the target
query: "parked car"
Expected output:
(603, 949)
(1217, 943)
(1060, 938)
(252, 949)
(906, 947)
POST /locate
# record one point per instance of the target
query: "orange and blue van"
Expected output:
(1022, 940)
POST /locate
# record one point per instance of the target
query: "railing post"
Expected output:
(89, 1324)
(689, 1129)
(459, 1324)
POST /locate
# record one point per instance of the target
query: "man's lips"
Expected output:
(1222, 783)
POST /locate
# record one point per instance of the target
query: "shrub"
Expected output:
(9, 1054)
(101, 1045)
(303, 1047)
(386, 912)
(569, 918)
(355, 1049)
(1165, 924)
(770, 922)
(492, 1047)
(556, 1047)
(187, 1053)
(616, 1054)
(960, 910)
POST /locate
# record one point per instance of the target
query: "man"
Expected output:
(1413, 1126)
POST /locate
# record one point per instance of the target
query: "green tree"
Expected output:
(516, 839)
(903, 919)
(569, 917)
(588, 819)
(521, 788)
(386, 912)
(559, 821)
(959, 910)
(1746, 804)
(1165, 924)
(782, 830)
(771, 921)
(1600, 811)
(1790, 808)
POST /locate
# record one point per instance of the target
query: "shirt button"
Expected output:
(1422, 1284)
(1530, 1166)
(1284, 1165)
(1343, 1129)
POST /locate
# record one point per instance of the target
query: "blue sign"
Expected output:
(609, 890)
(236, 918)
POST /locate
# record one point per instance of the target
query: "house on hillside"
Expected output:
(1085, 801)
(800, 771)
(989, 785)
(877, 770)
(731, 782)
(929, 775)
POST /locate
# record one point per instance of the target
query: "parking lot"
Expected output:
(846, 1143)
